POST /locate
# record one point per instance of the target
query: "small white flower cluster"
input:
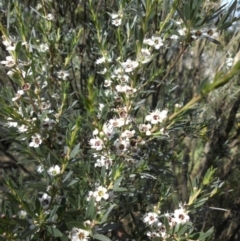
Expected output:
(50, 17)
(103, 161)
(99, 194)
(157, 229)
(54, 170)
(45, 199)
(62, 74)
(145, 56)
(36, 141)
(22, 214)
(78, 234)
(207, 33)
(157, 116)
(103, 60)
(155, 41)
(9, 62)
(116, 19)
(21, 70)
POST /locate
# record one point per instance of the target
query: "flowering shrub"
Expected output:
(77, 111)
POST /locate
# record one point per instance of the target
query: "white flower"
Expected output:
(129, 65)
(45, 105)
(145, 128)
(161, 229)
(44, 84)
(100, 193)
(23, 128)
(96, 143)
(129, 90)
(100, 60)
(116, 122)
(109, 130)
(114, 15)
(18, 95)
(170, 218)
(122, 146)
(40, 168)
(54, 170)
(107, 83)
(22, 214)
(148, 41)
(103, 161)
(45, 200)
(36, 141)
(157, 42)
(150, 218)
(43, 48)
(180, 216)
(164, 132)
(123, 78)
(50, 17)
(104, 71)
(78, 234)
(157, 116)
(177, 105)
(9, 62)
(145, 56)
(153, 234)
(204, 33)
(154, 41)
(117, 22)
(95, 132)
(116, 19)
(26, 87)
(11, 73)
(127, 134)
(125, 89)
(10, 45)
(48, 124)
(229, 62)
(39, 6)
(103, 60)
(11, 123)
(100, 107)
(174, 36)
(62, 74)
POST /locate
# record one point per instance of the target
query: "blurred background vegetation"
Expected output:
(207, 135)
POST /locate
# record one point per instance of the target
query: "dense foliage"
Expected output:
(119, 120)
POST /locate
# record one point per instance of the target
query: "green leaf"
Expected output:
(67, 176)
(73, 182)
(182, 230)
(75, 151)
(119, 189)
(225, 26)
(109, 227)
(105, 216)
(200, 202)
(203, 236)
(91, 210)
(101, 237)
(54, 231)
(117, 182)
(64, 237)
(30, 233)
(75, 224)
